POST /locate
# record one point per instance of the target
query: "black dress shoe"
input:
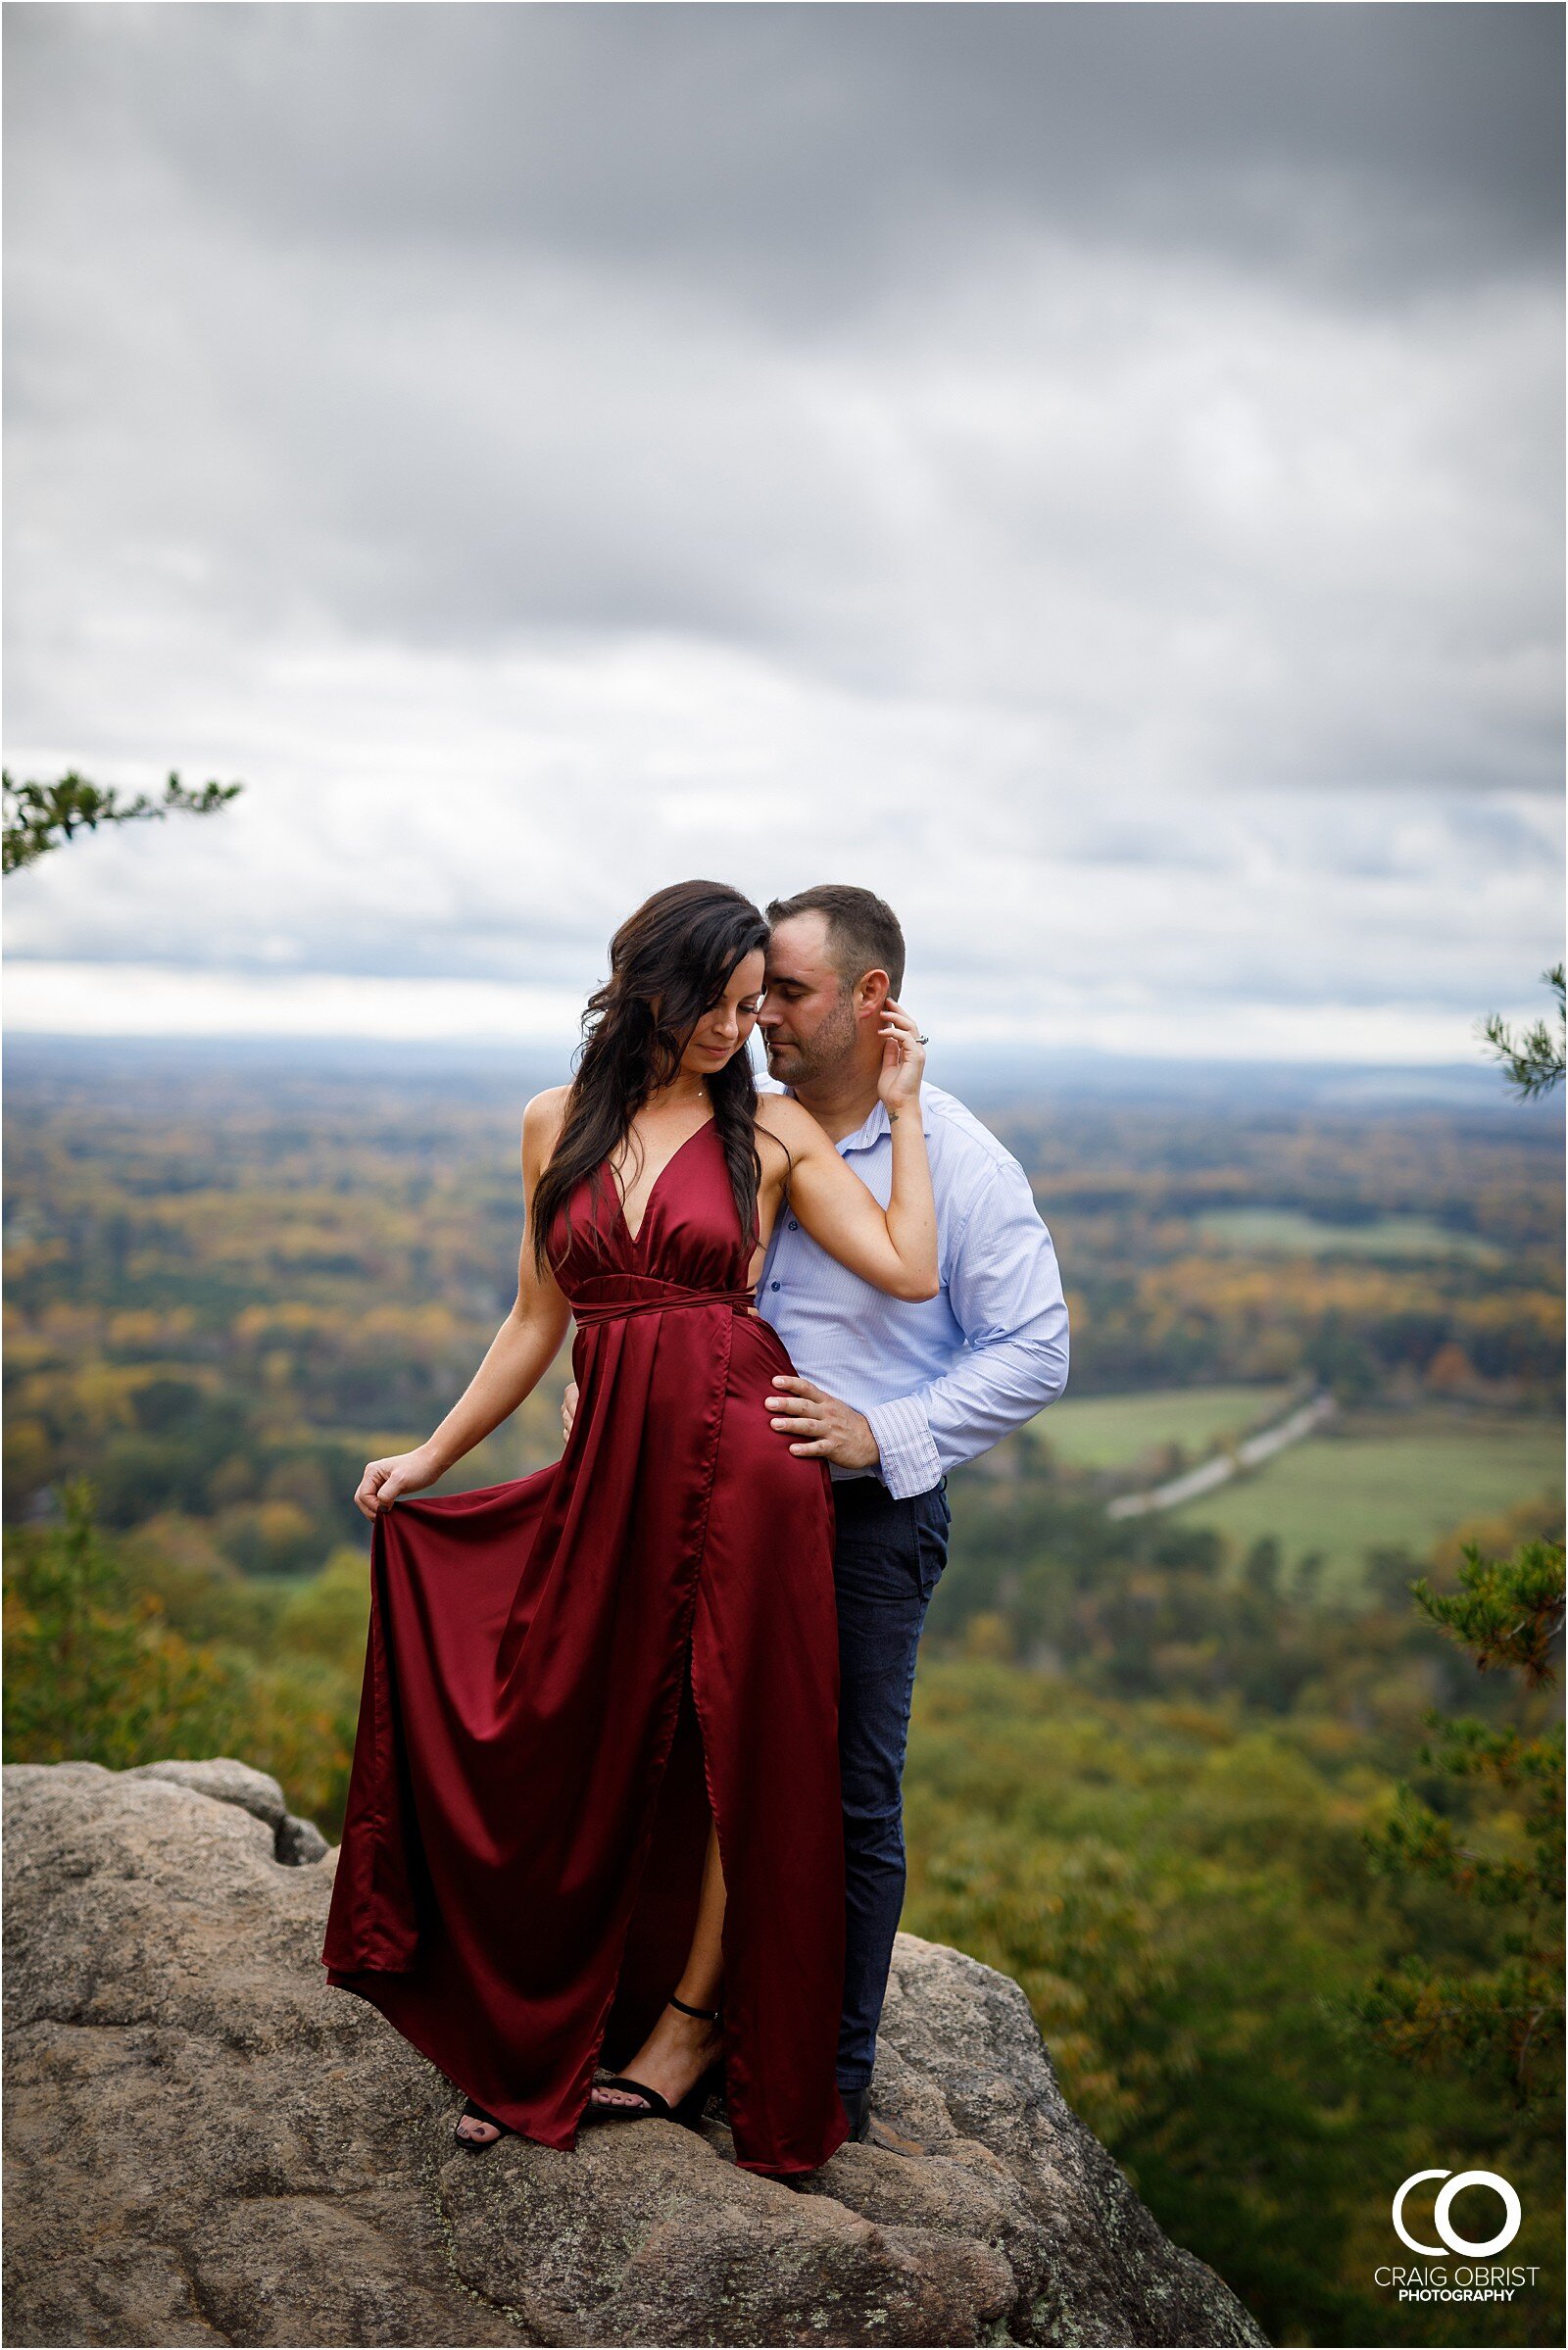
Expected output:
(864, 2131)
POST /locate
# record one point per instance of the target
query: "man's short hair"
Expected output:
(862, 931)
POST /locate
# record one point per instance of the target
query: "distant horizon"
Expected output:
(418, 1002)
(996, 1071)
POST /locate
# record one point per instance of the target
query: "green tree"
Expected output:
(1532, 1060)
(92, 1670)
(40, 816)
(97, 1672)
(1501, 2021)
(1181, 1890)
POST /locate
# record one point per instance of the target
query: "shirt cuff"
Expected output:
(910, 1464)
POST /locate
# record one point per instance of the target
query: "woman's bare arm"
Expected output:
(518, 1356)
(893, 1248)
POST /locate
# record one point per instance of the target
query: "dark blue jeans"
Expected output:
(886, 1563)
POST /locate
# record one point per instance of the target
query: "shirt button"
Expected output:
(794, 1226)
(773, 1285)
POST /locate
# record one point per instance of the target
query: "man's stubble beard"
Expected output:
(827, 1054)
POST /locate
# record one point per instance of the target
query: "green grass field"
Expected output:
(1109, 1432)
(1284, 1232)
(1354, 1488)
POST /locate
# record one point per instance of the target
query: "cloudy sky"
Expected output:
(1089, 473)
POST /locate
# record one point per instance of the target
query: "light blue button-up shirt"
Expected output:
(942, 1380)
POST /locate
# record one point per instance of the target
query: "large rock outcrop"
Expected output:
(208, 2145)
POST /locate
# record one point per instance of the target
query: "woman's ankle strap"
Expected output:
(709, 2015)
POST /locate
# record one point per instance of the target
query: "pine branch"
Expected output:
(40, 816)
(1508, 1611)
(1504, 2023)
(1532, 1060)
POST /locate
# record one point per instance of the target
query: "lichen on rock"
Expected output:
(208, 2145)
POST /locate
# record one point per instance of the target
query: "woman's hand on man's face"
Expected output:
(902, 1059)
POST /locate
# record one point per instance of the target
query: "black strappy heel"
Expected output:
(659, 2108)
(477, 2113)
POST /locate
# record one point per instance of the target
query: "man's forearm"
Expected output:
(989, 1393)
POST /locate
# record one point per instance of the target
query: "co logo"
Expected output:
(1440, 2214)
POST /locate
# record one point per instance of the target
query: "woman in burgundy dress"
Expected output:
(595, 1810)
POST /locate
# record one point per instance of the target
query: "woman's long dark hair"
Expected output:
(669, 963)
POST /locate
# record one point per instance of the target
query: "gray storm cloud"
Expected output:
(1090, 471)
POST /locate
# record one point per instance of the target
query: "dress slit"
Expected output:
(662, 1915)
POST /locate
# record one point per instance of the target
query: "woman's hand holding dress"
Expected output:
(399, 1473)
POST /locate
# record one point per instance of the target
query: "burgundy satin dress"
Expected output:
(568, 1674)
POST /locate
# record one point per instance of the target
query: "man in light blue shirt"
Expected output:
(891, 1394)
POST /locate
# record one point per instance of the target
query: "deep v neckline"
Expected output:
(648, 1201)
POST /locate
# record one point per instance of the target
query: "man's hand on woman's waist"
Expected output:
(821, 1427)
